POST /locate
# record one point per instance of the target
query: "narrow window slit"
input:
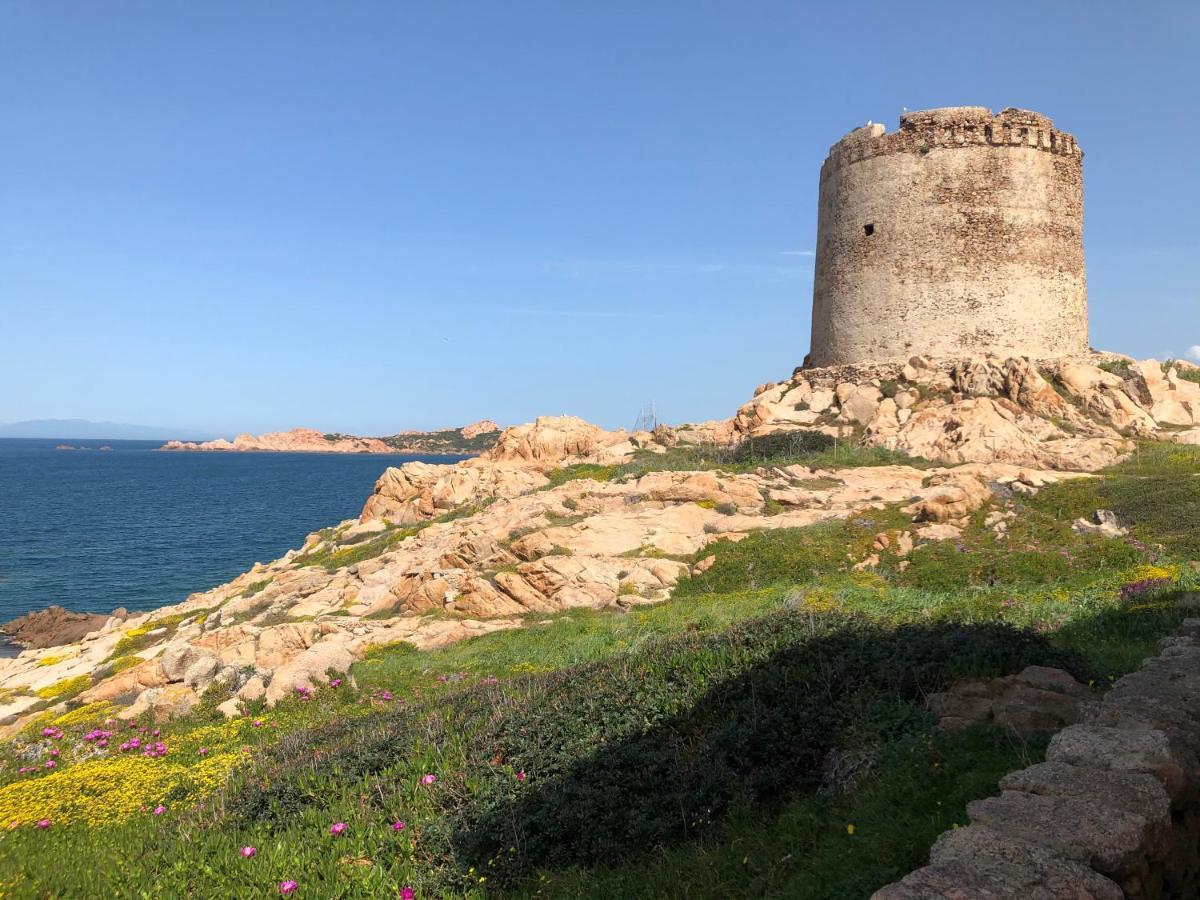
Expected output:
(869, 230)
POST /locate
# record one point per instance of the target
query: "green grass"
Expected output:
(255, 587)
(332, 558)
(807, 448)
(679, 749)
(1122, 368)
(806, 851)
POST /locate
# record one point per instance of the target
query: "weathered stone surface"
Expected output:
(1127, 750)
(921, 251)
(1133, 792)
(177, 658)
(200, 674)
(1113, 838)
(978, 863)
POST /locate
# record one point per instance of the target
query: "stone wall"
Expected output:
(961, 233)
(1112, 814)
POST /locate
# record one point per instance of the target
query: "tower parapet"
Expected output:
(959, 233)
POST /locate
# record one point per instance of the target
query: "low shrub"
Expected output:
(636, 751)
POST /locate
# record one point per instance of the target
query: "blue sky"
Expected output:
(374, 216)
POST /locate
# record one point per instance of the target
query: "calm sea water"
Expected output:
(93, 530)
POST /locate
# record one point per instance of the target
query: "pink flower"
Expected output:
(521, 776)
(258, 724)
(43, 823)
(398, 825)
(203, 751)
(154, 732)
(428, 779)
(287, 887)
(50, 764)
(53, 751)
(248, 852)
(407, 893)
(336, 682)
(159, 810)
(338, 828)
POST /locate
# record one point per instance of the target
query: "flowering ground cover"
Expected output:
(760, 734)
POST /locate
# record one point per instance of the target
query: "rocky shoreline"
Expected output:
(561, 514)
(55, 626)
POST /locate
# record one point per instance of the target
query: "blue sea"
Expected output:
(92, 530)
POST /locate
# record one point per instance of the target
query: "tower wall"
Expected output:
(958, 234)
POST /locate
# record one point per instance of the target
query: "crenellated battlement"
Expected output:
(953, 126)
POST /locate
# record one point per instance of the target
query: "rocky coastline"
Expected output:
(54, 626)
(560, 514)
(469, 440)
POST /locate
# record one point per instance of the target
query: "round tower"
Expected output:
(960, 233)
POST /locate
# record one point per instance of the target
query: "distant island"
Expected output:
(468, 440)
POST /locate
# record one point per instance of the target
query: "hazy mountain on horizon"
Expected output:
(82, 429)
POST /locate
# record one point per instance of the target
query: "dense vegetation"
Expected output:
(760, 734)
(451, 440)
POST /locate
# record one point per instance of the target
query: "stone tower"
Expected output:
(960, 233)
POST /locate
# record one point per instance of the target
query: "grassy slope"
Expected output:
(587, 700)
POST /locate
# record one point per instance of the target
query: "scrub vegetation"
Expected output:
(762, 733)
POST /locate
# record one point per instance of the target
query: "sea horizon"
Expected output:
(132, 527)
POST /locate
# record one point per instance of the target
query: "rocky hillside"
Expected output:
(561, 514)
(469, 439)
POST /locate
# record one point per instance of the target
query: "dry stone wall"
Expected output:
(961, 233)
(1112, 814)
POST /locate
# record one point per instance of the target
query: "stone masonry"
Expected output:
(959, 234)
(1112, 814)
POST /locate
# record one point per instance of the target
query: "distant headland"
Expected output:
(467, 440)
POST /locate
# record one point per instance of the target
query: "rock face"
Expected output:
(1111, 813)
(483, 426)
(54, 626)
(1068, 414)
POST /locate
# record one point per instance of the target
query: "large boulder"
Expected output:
(179, 657)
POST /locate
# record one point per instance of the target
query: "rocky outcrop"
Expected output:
(553, 440)
(298, 440)
(468, 440)
(475, 429)
(54, 626)
(417, 492)
(1069, 414)
(1113, 812)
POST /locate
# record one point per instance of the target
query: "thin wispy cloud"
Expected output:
(1194, 352)
(797, 253)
